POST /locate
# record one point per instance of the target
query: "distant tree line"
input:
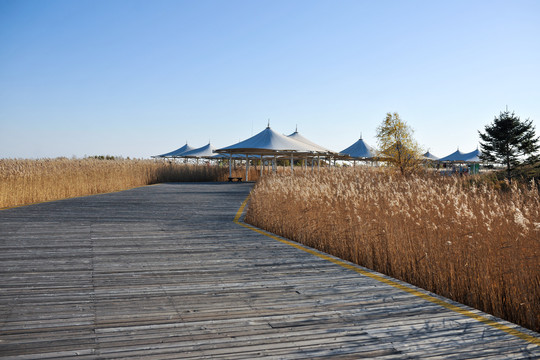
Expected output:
(105, 157)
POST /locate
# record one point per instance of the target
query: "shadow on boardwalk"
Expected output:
(163, 272)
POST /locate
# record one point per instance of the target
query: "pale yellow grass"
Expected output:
(31, 181)
(461, 239)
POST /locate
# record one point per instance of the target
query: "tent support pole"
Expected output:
(292, 164)
(247, 168)
(230, 165)
(262, 165)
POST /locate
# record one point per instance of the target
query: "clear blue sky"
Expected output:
(139, 78)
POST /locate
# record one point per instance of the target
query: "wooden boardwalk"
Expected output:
(163, 272)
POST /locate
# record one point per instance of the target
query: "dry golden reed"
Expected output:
(31, 181)
(455, 237)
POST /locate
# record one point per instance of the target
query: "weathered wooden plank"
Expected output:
(163, 272)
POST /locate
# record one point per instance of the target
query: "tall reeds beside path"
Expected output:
(456, 237)
(31, 181)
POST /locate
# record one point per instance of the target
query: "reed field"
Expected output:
(461, 238)
(31, 181)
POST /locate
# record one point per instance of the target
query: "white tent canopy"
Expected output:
(359, 150)
(270, 143)
(430, 156)
(206, 151)
(267, 142)
(176, 153)
(316, 148)
(455, 156)
(458, 156)
(473, 156)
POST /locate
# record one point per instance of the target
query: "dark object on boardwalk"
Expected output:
(238, 179)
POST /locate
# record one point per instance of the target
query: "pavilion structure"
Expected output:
(176, 153)
(270, 145)
(461, 157)
(430, 156)
(317, 152)
(204, 152)
(470, 160)
(359, 151)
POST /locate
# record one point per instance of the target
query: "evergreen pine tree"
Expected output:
(509, 141)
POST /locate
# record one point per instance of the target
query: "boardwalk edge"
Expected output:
(388, 281)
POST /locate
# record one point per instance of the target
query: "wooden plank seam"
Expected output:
(529, 338)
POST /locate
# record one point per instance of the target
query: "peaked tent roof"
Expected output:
(359, 150)
(457, 156)
(473, 156)
(206, 151)
(430, 156)
(177, 152)
(267, 142)
(296, 136)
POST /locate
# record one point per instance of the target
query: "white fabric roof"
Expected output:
(457, 156)
(473, 156)
(206, 151)
(296, 136)
(430, 156)
(177, 152)
(359, 150)
(267, 142)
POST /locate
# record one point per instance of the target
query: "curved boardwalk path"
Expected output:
(163, 272)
